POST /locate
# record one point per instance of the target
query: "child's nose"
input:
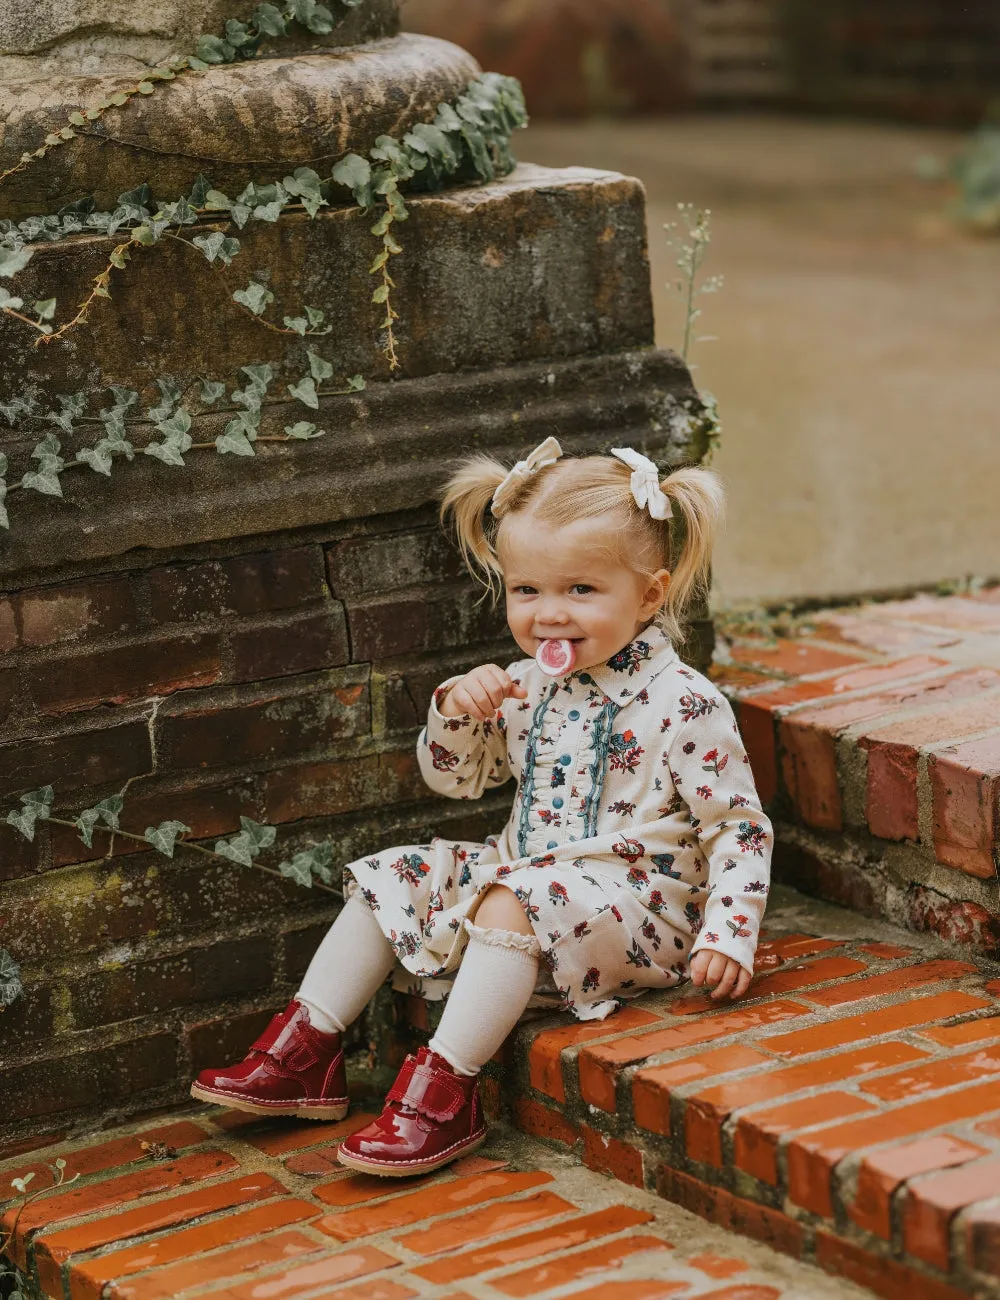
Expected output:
(552, 611)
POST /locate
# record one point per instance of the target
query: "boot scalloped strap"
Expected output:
(268, 1036)
(429, 1092)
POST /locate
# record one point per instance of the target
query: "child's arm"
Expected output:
(463, 749)
(711, 772)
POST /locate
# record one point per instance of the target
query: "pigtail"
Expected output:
(466, 501)
(699, 497)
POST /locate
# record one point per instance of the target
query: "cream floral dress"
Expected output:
(636, 835)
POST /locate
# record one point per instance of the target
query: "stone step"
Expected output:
(874, 734)
(210, 1203)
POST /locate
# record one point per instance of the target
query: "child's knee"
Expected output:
(500, 910)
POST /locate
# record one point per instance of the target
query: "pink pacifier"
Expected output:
(556, 657)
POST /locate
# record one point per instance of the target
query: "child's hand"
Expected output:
(480, 693)
(725, 975)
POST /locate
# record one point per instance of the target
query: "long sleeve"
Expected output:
(711, 773)
(461, 757)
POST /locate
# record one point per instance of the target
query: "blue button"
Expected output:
(574, 715)
(552, 844)
(566, 760)
(586, 678)
(557, 801)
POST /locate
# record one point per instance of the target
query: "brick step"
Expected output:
(874, 736)
(846, 1112)
(211, 1203)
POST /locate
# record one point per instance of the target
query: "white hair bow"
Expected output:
(645, 483)
(547, 453)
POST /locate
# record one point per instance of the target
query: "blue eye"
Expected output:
(581, 589)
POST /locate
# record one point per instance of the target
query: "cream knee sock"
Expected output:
(350, 964)
(492, 988)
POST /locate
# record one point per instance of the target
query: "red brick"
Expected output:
(948, 611)
(544, 1122)
(179, 1249)
(787, 980)
(85, 609)
(755, 1145)
(599, 1066)
(891, 803)
(731, 1212)
(102, 756)
(796, 658)
(119, 1151)
(881, 634)
(791, 946)
(883, 1276)
(328, 1271)
(245, 584)
(483, 1223)
(225, 1040)
(425, 619)
(8, 626)
(609, 1155)
(284, 1136)
(440, 1198)
(562, 1236)
(651, 1088)
(971, 1031)
(297, 791)
(895, 981)
(883, 1020)
(809, 767)
(882, 1172)
(355, 1189)
(296, 645)
(812, 1157)
(939, 1074)
(959, 922)
(886, 950)
(965, 785)
(759, 729)
(731, 679)
(717, 1266)
(114, 676)
(932, 1201)
(284, 720)
(982, 1238)
(51, 1248)
(545, 1054)
(573, 1268)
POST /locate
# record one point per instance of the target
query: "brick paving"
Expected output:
(242, 1208)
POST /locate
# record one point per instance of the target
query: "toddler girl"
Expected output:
(636, 849)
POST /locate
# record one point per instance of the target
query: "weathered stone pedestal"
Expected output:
(259, 636)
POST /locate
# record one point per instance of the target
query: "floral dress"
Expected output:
(636, 835)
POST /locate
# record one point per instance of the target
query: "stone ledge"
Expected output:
(874, 735)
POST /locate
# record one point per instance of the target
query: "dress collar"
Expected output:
(631, 670)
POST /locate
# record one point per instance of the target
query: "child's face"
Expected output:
(559, 586)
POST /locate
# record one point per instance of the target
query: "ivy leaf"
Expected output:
(381, 293)
(269, 20)
(40, 800)
(389, 150)
(36, 807)
(145, 87)
(316, 317)
(23, 820)
(99, 459)
(234, 440)
(356, 384)
(320, 369)
(119, 257)
(262, 836)
(297, 323)
(259, 376)
(254, 296)
(213, 49)
(298, 869)
(241, 848)
(305, 391)
(13, 260)
(216, 201)
(426, 138)
(10, 982)
(164, 837)
(240, 213)
(305, 184)
(268, 211)
(303, 429)
(218, 245)
(355, 173)
(124, 397)
(45, 309)
(177, 425)
(46, 478)
(7, 302)
(211, 391)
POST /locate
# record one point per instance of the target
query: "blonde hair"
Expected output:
(591, 487)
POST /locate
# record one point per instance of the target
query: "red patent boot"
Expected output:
(432, 1116)
(292, 1069)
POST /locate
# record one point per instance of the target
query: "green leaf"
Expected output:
(297, 323)
(36, 806)
(218, 245)
(216, 201)
(269, 20)
(211, 391)
(305, 391)
(118, 98)
(50, 444)
(169, 451)
(259, 376)
(46, 480)
(234, 440)
(144, 235)
(164, 837)
(260, 835)
(389, 150)
(40, 800)
(78, 119)
(316, 317)
(107, 811)
(13, 260)
(298, 869)
(10, 985)
(124, 397)
(45, 308)
(381, 293)
(145, 88)
(240, 213)
(303, 429)
(254, 296)
(241, 848)
(356, 384)
(213, 49)
(305, 184)
(320, 369)
(355, 173)
(23, 820)
(177, 425)
(7, 302)
(199, 190)
(118, 258)
(99, 457)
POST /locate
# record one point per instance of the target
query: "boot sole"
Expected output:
(334, 1111)
(388, 1170)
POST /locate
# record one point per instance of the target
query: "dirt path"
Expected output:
(857, 358)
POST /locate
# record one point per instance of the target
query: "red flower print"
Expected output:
(630, 850)
(704, 790)
(591, 979)
(690, 747)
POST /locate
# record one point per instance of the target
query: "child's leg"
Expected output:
(493, 985)
(348, 967)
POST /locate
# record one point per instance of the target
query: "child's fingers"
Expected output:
(742, 984)
(518, 691)
(698, 967)
(728, 981)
